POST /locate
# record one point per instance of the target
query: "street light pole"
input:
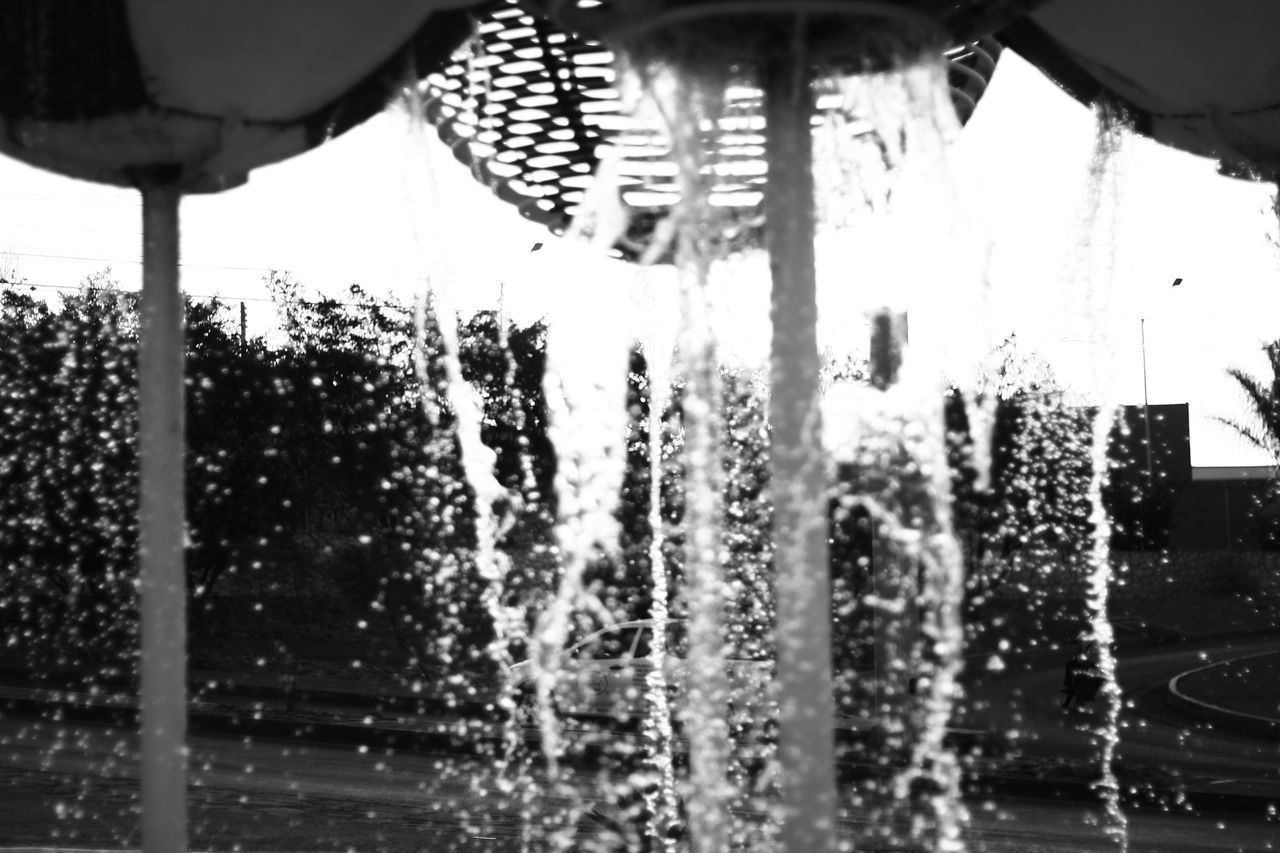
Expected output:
(1146, 405)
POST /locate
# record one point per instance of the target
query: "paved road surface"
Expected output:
(1151, 736)
(75, 786)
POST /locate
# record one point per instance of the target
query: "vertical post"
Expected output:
(161, 519)
(244, 327)
(1226, 507)
(1149, 488)
(888, 340)
(693, 101)
(894, 576)
(797, 476)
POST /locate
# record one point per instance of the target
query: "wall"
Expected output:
(1212, 515)
(1186, 574)
(1153, 576)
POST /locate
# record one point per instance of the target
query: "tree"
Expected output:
(1030, 527)
(1260, 427)
(68, 476)
(1141, 488)
(318, 488)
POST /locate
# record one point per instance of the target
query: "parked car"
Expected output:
(605, 674)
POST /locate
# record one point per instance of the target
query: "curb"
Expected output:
(1252, 725)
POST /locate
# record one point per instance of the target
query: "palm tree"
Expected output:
(1261, 426)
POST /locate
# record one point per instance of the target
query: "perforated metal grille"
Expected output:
(527, 107)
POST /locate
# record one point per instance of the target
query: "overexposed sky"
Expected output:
(351, 211)
(1177, 218)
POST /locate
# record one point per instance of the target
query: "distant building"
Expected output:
(1144, 486)
(1222, 509)
(1186, 508)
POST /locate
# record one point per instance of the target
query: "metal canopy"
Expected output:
(527, 106)
(1199, 75)
(173, 97)
(186, 93)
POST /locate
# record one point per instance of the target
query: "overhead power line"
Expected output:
(132, 261)
(384, 303)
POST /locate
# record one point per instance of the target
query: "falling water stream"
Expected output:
(659, 349)
(884, 141)
(887, 227)
(882, 151)
(690, 105)
(586, 392)
(495, 507)
(911, 126)
(881, 168)
(1099, 254)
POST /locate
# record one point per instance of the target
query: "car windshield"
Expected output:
(629, 642)
(607, 644)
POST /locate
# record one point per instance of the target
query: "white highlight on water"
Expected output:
(425, 203)
(924, 280)
(660, 316)
(1099, 233)
(898, 204)
(588, 352)
(685, 105)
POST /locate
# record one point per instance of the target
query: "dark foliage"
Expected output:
(67, 475)
(322, 494)
(1260, 428)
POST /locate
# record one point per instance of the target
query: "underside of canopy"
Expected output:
(1199, 75)
(196, 94)
(529, 107)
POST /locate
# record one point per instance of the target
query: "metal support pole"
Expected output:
(1149, 486)
(797, 476)
(1226, 508)
(161, 531)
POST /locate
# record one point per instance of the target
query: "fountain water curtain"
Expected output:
(1098, 251)
(716, 91)
(687, 106)
(173, 98)
(697, 146)
(659, 348)
(887, 148)
(496, 507)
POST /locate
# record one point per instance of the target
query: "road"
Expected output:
(75, 786)
(1151, 736)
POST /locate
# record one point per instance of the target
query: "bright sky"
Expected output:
(346, 212)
